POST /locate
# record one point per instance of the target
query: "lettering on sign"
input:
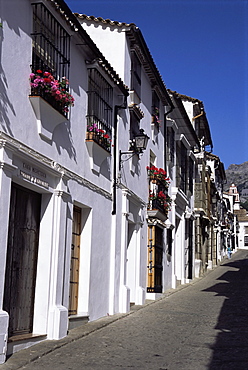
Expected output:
(25, 175)
(34, 170)
(41, 182)
(32, 176)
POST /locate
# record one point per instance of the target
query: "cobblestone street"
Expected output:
(203, 325)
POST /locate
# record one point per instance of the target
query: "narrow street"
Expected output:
(204, 325)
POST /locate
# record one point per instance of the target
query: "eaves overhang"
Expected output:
(65, 12)
(138, 44)
(218, 164)
(181, 117)
(199, 110)
(203, 123)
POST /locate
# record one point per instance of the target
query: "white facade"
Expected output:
(125, 41)
(181, 168)
(83, 217)
(45, 154)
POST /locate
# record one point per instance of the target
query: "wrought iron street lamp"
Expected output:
(138, 145)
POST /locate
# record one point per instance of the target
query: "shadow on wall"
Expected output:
(230, 348)
(5, 103)
(63, 140)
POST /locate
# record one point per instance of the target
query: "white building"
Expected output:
(147, 103)
(242, 218)
(90, 222)
(55, 179)
(181, 161)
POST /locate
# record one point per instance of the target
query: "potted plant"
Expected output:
(55, 92)
(98, 135)
(159, 174)
(155, 116)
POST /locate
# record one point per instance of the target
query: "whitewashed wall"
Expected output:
(133, 173)
(65, 162)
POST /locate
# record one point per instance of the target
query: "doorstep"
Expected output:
(77, 320)
(22, 341)
(20, 337)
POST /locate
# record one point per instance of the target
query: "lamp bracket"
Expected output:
(131, 152)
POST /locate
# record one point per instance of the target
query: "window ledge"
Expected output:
(156, 213)
(155, 130)
(97, 155)
(47, 117)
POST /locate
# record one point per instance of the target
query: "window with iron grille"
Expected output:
(135, 74)
(100, 109)
(134, 125)
(50, 55)
(191, 174)
(170, 145)
(51, 43)
(246, 240)
(155, 108)
(178, 163)
(183, 170)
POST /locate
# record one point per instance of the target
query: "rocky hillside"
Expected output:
(238, 174)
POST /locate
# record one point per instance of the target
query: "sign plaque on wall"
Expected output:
(34, 175)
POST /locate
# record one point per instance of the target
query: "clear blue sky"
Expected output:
(201, 50)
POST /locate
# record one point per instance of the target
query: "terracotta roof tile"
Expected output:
(104, 21)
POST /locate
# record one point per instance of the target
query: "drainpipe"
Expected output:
(199, 115)
(116, 109)
(165, 143)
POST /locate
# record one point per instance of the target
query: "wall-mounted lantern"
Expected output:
(138, 145)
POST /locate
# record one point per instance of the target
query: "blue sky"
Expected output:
(201, 50)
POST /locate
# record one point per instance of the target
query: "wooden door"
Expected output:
(75, 259)
(155, 259)
(22, 250)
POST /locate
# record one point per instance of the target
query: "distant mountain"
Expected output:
(238, 174)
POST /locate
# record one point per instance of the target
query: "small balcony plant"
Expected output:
(158, 175)
(155, 117)
(55, 92)
(98, 135)
(158, 190)
(159, 200)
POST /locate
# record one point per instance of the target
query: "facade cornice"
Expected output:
(51, 166)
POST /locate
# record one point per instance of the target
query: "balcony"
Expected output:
(98, 143)
(159, 200)
(99, 133)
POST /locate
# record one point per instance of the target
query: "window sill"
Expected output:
(155, 130)
(47, 117)
(156, 213)
(97, 155)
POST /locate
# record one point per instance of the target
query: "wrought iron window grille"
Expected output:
(100, 109)
(51, 50)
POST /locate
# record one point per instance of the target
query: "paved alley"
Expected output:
(203, 325)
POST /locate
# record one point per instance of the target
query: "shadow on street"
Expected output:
(230, 350)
